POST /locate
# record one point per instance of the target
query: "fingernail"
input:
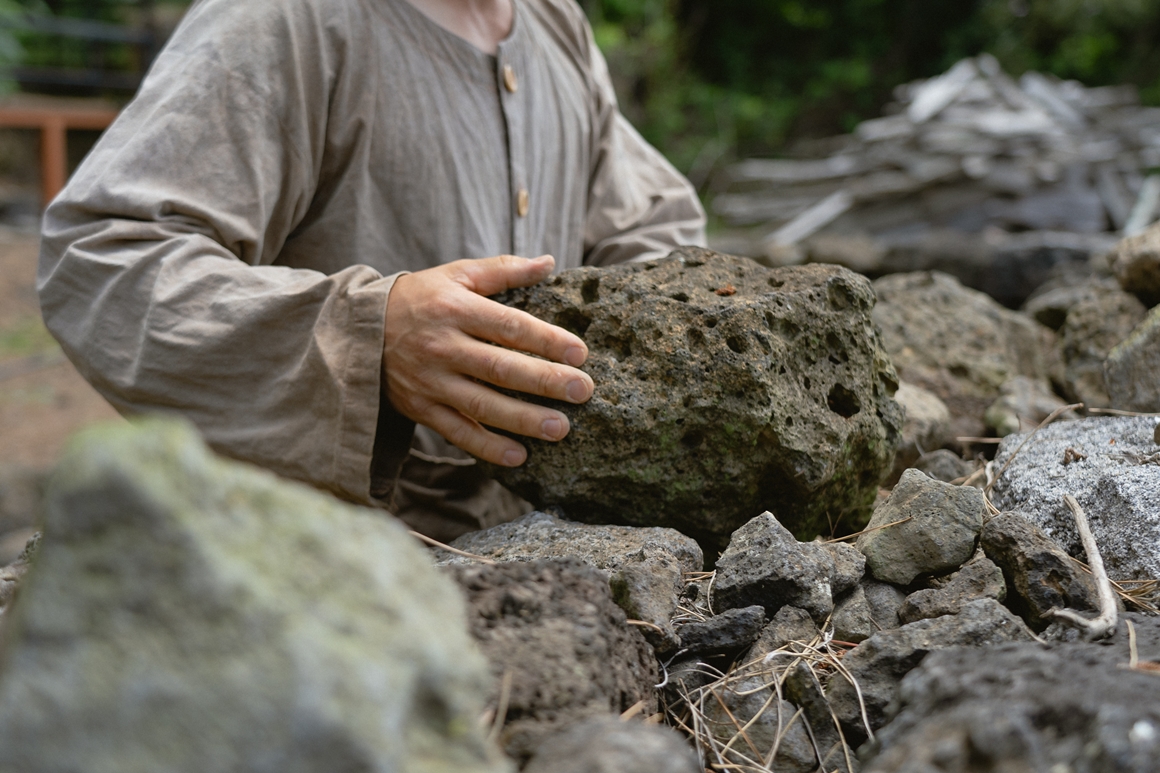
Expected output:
(513, 458)
(577, 391)
(552, 428)
(575, 356)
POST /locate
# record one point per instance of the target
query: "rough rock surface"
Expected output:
(646, 566)
(805, 691)
(1132, 369)
(790, 624)
(1112, 472)
(1136, 263)
(770, 724)
(849, 566)
(731, 631)
(926, 428)
(880, 662)
(607, 745)
(186, 613)
(552, 627)
(1027, 707)
(1040, 575)
(978, 579)
(765, 565)
(1051, 304)
(957, 343)
(853, 620)
(722, 388)
(1022, 405)
(944, 465)
(1093, 328)
(940, 535)
(885, 600)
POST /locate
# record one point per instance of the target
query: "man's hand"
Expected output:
(439, 334)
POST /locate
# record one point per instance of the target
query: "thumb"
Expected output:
(489, 276)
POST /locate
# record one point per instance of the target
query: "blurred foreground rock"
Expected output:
(723, 389)
(186, 613)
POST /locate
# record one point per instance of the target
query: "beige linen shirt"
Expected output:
(227, 250)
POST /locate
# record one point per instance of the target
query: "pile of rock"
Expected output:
(992, 180)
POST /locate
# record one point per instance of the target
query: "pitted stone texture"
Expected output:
(1116, 484)
(765, 565)
(880, 662)
(1092, 330)
(1132, 370)
(553, 628)
(1027, 708)
(1136, 263)
(1041, 576)
(727, 633)
(958, 343)
(185, 613)
(645, 566)
(936, 526)
(978, 579)
(607, 745)
(722, 388)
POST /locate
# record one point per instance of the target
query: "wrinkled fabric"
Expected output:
(227, 250)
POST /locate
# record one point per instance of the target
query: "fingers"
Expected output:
(488, 276)
(515, 329)
(521, 373)
(492, 409)
(469, 435)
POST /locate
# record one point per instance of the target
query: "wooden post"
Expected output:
(53, 157)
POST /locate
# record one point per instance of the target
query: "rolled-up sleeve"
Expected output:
(155, 270)
(640, 207)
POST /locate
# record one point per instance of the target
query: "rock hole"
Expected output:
(789, 421)
(781, 371)
(590, 290)
(843, 402)
(776, 284)
(770, 322)
(711, 322)
(737, 343)
(574, 321)
(682, 297)
(835, 360)
(765, 347)
(807, 383)
(692, 439)
(960, 371)
(695, 336)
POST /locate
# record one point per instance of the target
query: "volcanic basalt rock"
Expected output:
(722, 389)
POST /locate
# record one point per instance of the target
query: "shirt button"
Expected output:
(509, 79)
(522, 202)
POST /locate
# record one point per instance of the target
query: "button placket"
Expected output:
(512, 103)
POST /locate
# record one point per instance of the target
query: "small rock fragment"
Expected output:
(790, 624)
(944, 465)
(978, 579)
(1041, 576)
(1136, 264)
(608, 745)
(1093, 328)
(729, 632)
(765, 565)
(805, 691)
(1022, 405)
(849, 566)
(927, 425)
(768, 724)
(936, 527)
(853, 620)
(1132, 370)
(885, 600)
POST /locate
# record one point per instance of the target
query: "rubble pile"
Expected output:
(994, 180)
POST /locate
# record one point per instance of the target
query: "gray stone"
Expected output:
(1040, 575)
(1132, 369)
(957, 343)
(1050, 304)
(551, 628)
(729, 632)
(853, 620)
(790, 624)
(186, 613)
(1023, 404)
(769, 724)
(1093, 328)
(885, 600)
(1136, 263)
(935, 531)
(803, 690)
(607, 745)
(765, 565)
(1027, 707)
(849, 566)
(880, 662)
(927, 426)
(978, 579)
(944, 465)
(646, 566)
(722, 388)
(1112, 473)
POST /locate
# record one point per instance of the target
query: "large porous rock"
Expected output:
(722, 389)
(1110, 466)
(1136, 263)
(766, 566)
(186, 613)
(1040, 575)
(555, 637)
(880, 662)
(957, 343)
(1094, 327)
(1029, 707)
(1132, 370)
(608, 745)
(926, 527)
(646, 567)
